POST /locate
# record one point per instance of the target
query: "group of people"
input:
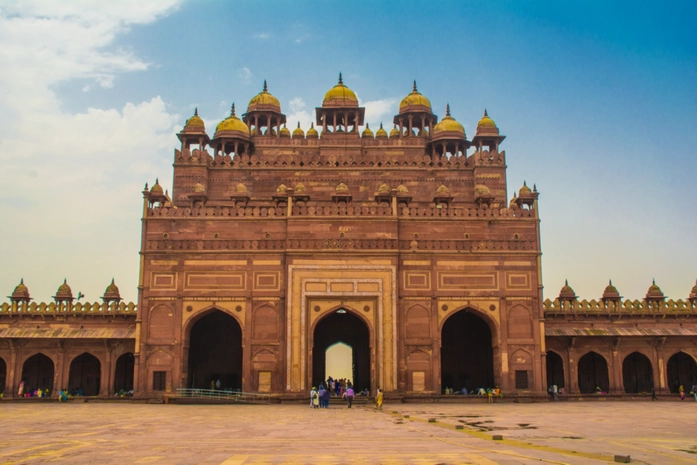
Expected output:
(29, 393)
(488, 392)
(693, 391)
(556, 391)
(319, 397)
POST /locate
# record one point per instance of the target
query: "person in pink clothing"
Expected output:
(349, 395)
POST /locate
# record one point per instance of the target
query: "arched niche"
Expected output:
(593, 373)
(84, 377)
(466, 356)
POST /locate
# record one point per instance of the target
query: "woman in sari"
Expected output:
(378, 400)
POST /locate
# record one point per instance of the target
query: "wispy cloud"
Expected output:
(263, 35)
(299, 114)
(245, 75)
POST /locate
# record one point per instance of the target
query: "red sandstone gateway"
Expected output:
(274, 246)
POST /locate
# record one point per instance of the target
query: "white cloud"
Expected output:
(245, 75)
(296, 104)
(72, 182)
(377, 111)
(299, 115)
(263, 35)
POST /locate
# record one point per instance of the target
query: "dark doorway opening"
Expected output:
(123, 375)
(637, 373)
(466, 353)
(682, 371)
(85, 375)
(555, 369)
(37, 373)
(592, 373)
(342, 326)
(3, 374)
(215, 352)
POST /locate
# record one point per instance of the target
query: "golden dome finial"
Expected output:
(485, 113)
(414, 89)
(447, 109)
(266, 89)
(341, 81)
(196, 111)
(232, 110)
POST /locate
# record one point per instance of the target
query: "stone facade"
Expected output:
(275, 245)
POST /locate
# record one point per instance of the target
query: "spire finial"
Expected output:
(265, 88)
(157, 180)
(525, 183)
(232, 110)
(112, 280)
(367, 126)
(341, 82)
(485, 113)
(196, 111)
(380, 124)
(566, 282)
(415, 86)
(534, 187)
(610, 282)
(298, 124)
(447, 110)
(312, 124)
(65, 280)
(654, 281)
(21, 281)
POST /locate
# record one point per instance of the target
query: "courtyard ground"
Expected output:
(575, 433)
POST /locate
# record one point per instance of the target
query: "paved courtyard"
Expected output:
(565, 432)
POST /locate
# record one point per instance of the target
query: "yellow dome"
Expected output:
(156, 188)
(282, 188)
(312, 132)
(443, 190)
(611, 292)
(481, 189)
(414, 99)
(654, 291)
(486, 122)
(240, 188)
(402, 189)
(381, 134)
(340, 96)
(64, 290)
(112, 291)
(21, 291)
(342, 187)
(199, 188)
(525, 189)
(394, 132)
(298, 132)
(514, 201)
(448, 124)
(194, 124)
(264, 101)
(384, 188)
(300, 187)
(232, 123)
(566, 292)
(285, 132)
(367, 132)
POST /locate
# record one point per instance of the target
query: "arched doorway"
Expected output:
(637, 373)
(592, 373)
(3, 374)
(345, 327)
(555, 369)
(123, 374)
(37, 373)
(682, 370)
(85, 375)
(215, 352)
(466, 352)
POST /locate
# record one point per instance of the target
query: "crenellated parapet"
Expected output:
(68, 309)
(626, 306)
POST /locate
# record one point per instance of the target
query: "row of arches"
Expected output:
(84, 375)
(637, 372)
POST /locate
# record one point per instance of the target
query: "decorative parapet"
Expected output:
(626, 306)
(67, 308)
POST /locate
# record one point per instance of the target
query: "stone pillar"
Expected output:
(106, 375)
(615, 369)
(60, 377)
(573, 367)
(13, 373)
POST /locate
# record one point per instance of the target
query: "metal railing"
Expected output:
(231, 396)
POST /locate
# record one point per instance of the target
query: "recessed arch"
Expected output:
(682, 371)
(637, 373)
(555, 369)
(487, 318)
(123, 373)
(85, 373)
(593, 373)
(215, 351)
(37, 373)
(3, 374)
(467, 358)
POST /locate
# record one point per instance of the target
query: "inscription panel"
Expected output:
(234, 281)
(448, 280)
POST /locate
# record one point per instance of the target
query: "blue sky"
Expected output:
(597, 99)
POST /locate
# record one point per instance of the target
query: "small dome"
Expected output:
(21, 292)
(394, 132)
(298, 132)
(481, 189)
(112, 292)
(232, 123)
(156, 188)
(448, 124)
(402, 189)
(611, 292)
(264, 101)
(342, 188)
(300, 187)
(64, 290)
(413, 101)
(367, 132)
(285, 132)
(513, 202)
(525, 189)
(443, 190)
(566, 292)
(381, 134)
(654, 291)
(282, 188)
(486, 122)
(312, 132)
(194, 124)
(340, 96)
(384, 188)
(693, 293)
(240, 188)
(198, 188)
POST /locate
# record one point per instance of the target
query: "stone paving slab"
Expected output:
(558, 433)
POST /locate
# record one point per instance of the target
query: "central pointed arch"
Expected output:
(215, 352)
(593, 373)
(342, 325)
(85, 375)
(637, 373)
(37, 373)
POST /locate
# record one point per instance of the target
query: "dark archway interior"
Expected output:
(682, 370)
(3, 374)
(342, 326)
(637, 373)
(123, 375)
(555, 369)
(215, 352)
(37, 373)
(592, 372)
(85, 375)
(466, 354)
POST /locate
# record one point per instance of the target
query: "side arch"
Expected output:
(593, 373)
(681, 370)
(637, 373)
(84, 377)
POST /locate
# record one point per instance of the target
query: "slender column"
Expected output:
(411, 128)
(573, 369)
(61, 378)
(616, 369)
(106, 375)
(334, 115)
(13, 372)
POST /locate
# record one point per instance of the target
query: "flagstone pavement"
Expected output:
(659, 433)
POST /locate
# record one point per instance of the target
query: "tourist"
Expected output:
(378, 400)
(490, 395)
(325, 398)
(217, 384)
(320, 395)
(682, 392)
(349, 395)
(212, 385)
(481, 391)
(562, 391)
(314, 398)
(555, 392)
(694, 391)
(20, 391)
(653, 393)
